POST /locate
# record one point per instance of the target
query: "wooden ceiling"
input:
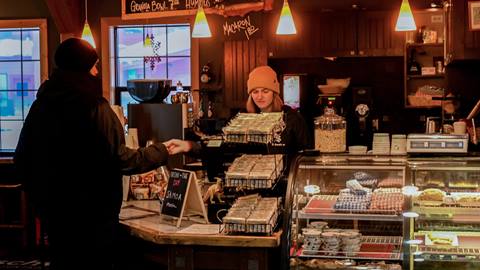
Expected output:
(333, 5)
(68, 15)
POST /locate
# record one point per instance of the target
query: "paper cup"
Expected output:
(459, 127)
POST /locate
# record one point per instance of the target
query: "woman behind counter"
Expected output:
(264, 96)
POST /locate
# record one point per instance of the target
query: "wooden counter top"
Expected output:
(155, 228)
(6, 160)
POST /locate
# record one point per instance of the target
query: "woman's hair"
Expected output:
(277, 104)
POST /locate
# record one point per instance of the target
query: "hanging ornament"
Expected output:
(155, 58)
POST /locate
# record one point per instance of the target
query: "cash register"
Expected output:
(437, 143)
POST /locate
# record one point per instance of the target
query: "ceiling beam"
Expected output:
(68, 15)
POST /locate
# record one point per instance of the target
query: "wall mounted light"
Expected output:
(87, 32)
(200, 27)
(405, 21)
(286, 25)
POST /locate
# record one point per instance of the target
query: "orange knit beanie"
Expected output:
(264, 77)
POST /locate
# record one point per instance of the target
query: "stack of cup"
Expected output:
(459, 127)
(381, 144)
(399, 144)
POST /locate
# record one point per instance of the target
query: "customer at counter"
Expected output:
(263, 96)
(71, 156)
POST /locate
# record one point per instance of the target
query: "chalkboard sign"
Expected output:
(138, 9)
(144, 9)
(176, 192)
(182, 196)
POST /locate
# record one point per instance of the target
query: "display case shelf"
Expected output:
(346, 216)
(426, 76)
(453, 213)
(372, 248)
(467, 248)
(429, 225)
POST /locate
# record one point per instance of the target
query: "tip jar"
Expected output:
(330, 132)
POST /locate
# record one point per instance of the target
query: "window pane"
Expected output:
(179, 70)
(159, 41)
(158, 72)
(31, 45)
(10, 132)
(130, 41)
(11, 73)
(128, 69)
(31, 75)
(11, 105)
(125, 99)
(179, 41)
(28, 98)
(10, 45)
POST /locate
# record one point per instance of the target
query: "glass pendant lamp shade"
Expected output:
(405, 21)
(87, 32)
(286, 25)
(148, 41)
(200, 27)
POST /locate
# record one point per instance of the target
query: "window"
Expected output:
(171, 43)
(21, 72)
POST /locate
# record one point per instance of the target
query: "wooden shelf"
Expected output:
(424, 44)
(426, 76)
(12, 226)
(422, 107)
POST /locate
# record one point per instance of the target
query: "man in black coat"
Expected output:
(71, 156)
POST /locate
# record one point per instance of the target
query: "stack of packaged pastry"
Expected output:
(254, 171)
(391, 182)
(252, 214)
(255, 127)
(387, 199)
(354, 197)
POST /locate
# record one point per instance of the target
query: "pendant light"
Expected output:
(405, 21)
(148, 40)
(87, 32)
(200, 27)
(286, 25)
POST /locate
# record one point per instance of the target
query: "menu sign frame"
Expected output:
(182, 196)
(146, 9)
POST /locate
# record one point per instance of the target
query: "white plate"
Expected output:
(452, 236)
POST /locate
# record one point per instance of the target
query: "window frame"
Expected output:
(107, 51)
(43, 39)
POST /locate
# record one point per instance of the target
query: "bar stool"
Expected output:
(21, 224)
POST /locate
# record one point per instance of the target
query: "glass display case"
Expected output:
(346, 212)
(444, 227)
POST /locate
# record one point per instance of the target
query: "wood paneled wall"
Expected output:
(240, 57)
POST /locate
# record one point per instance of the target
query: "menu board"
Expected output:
(176, 193)
(143, 9)
(137, 9)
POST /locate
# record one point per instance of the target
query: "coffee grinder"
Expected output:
(360, 128)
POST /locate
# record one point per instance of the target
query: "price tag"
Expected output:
(214, 143)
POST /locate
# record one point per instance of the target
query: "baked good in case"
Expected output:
(463, 184)
(431, 194)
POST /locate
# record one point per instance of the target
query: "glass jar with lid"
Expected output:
(330, 132)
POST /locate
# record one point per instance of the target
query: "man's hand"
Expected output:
(175, 146)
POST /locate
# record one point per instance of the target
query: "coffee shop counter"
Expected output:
(197, 246)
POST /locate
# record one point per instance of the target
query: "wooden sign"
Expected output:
(182, 197)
